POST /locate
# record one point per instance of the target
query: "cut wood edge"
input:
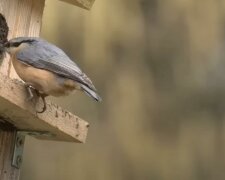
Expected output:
(17, 110)
(85, 4)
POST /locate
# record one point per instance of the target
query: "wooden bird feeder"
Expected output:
(19, 117)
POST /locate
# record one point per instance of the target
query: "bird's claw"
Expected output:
(44, 102)
(30, 90)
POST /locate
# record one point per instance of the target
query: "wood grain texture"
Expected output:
(16, 113)
(86, 4)
(7, 172)
(24, 18)
(15, 109)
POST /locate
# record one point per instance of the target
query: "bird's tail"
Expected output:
(91, 93)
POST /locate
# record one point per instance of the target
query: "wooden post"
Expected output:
(24, 19)
(7, 139)
(19, 14)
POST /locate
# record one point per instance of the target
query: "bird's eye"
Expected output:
(15, 44)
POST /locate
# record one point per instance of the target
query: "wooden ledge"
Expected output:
(15, 109)
(86, 4)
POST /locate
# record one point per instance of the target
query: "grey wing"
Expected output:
(44, 55)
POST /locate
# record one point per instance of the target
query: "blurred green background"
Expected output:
(159, 67)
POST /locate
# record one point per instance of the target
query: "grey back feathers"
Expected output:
(44, 55)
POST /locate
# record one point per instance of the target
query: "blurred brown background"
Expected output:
(160, 68)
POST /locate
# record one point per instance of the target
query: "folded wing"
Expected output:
(44, 55)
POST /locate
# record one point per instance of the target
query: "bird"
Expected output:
(46, 68)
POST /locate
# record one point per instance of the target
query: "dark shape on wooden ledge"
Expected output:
(4, 29)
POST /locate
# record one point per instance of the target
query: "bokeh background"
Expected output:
(160, 69)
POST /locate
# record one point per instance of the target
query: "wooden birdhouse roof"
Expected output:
(86, 4)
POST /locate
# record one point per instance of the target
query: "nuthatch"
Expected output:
(46, 68)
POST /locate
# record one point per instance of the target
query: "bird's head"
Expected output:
(15, 44)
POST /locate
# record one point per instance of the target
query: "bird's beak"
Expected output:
(7, 44)
(6, 47)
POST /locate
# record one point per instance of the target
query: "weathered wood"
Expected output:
(7, 138)
(15, 109)
(86, 4)
(24, 18)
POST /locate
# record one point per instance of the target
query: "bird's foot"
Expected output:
(30, 90)
(42, 96)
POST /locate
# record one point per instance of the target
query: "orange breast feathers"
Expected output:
(44, 81)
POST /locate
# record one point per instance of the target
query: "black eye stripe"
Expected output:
(16, 44)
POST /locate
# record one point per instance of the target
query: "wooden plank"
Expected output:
(86, 4)
(24, 18)
(7, 137)
(17, 110)
(19, 15)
